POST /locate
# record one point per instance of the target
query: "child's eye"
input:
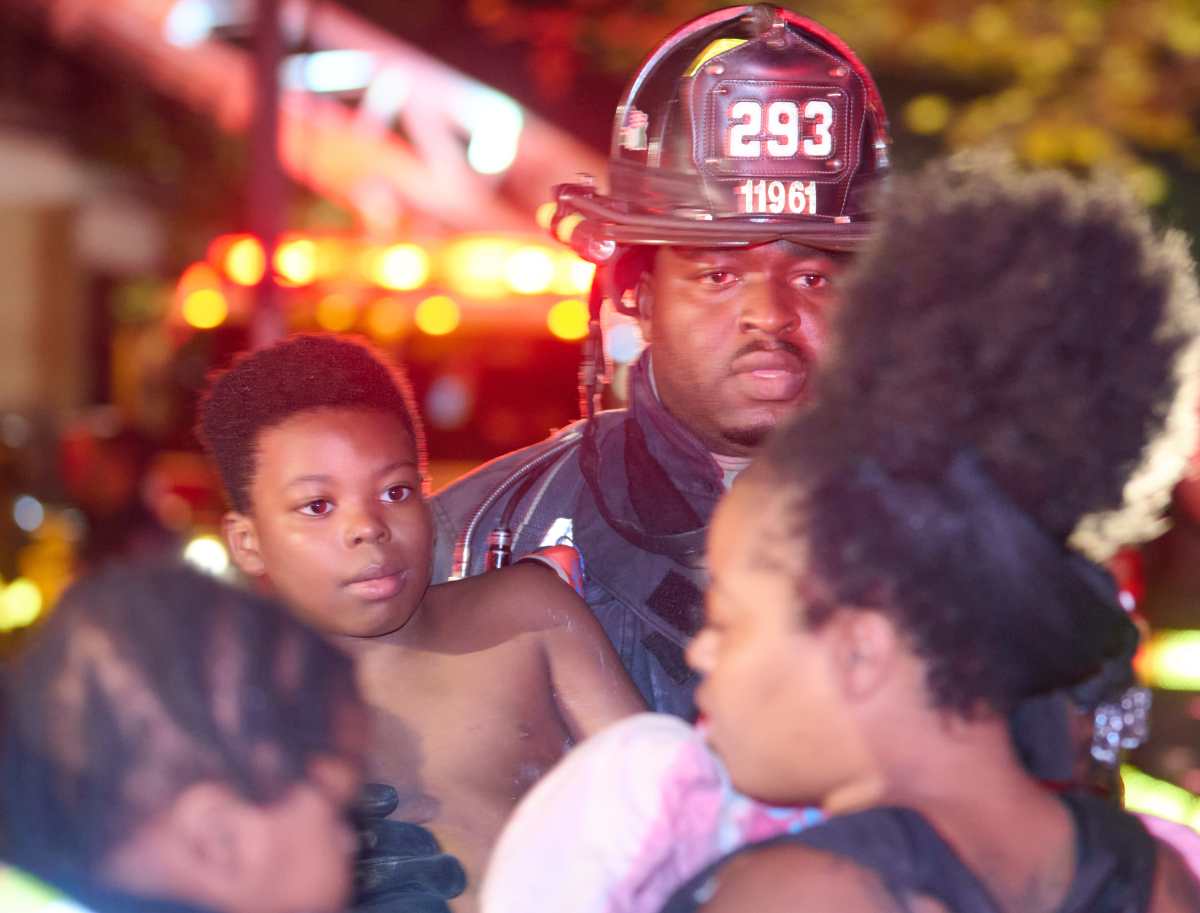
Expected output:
(318, 507)
(397, 493)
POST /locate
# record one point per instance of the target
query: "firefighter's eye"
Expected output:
(717, 278)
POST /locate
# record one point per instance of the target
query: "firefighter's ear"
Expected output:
(643, 294)
(241, 536)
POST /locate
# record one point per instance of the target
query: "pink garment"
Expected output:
(622, 821)
(1183, 839)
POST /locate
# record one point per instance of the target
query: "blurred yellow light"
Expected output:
(208, 554)
(990, 23)
(1045, 56)
(582, 273)
(1044, 144)
(296, 261)
(1084, 26)
(1149, 184)
(244, 261)
(1127, 77)
(544, 214)
(196, 276)
(566, 227)
(1171, 660)
(476, 266)
(437, 316)
(387, 319)
(20, 604)
(1151, 796)
(336, 313)
(529, 270)
(1090, 145)
(572, 274)
(205, 308)
(927, 114)
(402, 267)
(331, 257)
(1014, 106)
(1183, 35)
(568, 319)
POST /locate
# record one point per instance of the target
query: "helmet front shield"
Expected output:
(747, 125)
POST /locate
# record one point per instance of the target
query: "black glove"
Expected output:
(400, 867)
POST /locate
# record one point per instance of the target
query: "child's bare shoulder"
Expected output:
(525, 598)
(542, 625)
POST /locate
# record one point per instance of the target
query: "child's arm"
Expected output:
(590, 686)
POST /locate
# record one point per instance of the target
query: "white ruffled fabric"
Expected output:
(622, 821)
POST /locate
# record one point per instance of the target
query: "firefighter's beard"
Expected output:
(750, 438)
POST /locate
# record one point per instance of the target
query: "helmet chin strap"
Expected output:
(592, 367)
(686, 547)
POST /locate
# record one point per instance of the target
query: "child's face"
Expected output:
(338, 522)
(302, 853)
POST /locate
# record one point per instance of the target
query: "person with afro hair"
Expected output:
(1011, 389)
(903, 635)
(476, 686)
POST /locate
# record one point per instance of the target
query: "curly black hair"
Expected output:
(301, 373)
(1008, 346)
(145, 680)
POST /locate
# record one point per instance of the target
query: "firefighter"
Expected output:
(745, 151)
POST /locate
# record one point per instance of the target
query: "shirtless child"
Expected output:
(476, 686)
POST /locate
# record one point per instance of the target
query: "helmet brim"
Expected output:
(606, 222)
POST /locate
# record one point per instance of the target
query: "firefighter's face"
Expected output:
(736, 334)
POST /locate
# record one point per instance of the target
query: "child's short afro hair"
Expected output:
(303, 372)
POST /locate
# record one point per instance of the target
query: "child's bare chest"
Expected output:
(471, 730)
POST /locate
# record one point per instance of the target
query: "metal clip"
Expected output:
(499, 548)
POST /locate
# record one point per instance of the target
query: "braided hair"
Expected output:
(144, 681)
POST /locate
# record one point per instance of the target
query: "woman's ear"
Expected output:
(864, 651)
(241, 536)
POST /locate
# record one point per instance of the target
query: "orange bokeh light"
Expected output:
(572, 274)
(529, 270)
(244, 261)
(387, 319)
(475, 266)
(437, 315)
(197, 275)
(336, 313)
(296, 261)
(205, 308)
(568, 320)
(402, 267)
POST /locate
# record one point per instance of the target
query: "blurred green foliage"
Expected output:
(1094, 85)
